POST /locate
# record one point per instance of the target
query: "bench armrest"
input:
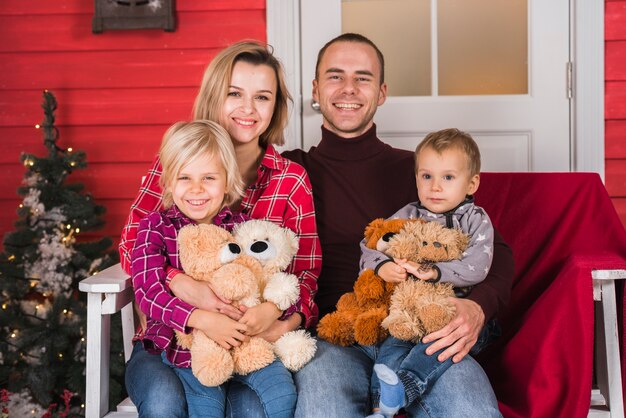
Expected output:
(108, 292)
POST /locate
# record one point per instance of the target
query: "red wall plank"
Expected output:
(615, 180)
(100, 107)
(615, 100)
(615, 21)
(103, 180)
(615, 61)
(115, 143)
(214, 29)
(103, 69)
(615, 139)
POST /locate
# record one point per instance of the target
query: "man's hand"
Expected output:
(460, 335)
(259, 318)
(280, 328)
(392, 272)
(200, 295)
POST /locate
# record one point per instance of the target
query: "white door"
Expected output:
(496, 69)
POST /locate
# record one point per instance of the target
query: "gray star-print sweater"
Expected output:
(470, 219)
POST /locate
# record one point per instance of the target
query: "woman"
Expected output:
(243, 89)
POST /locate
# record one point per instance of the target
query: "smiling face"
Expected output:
(200, 188)
(348, 88)
(249, 107)
(443, 179)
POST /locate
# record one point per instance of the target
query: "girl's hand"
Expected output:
(200, 295)
(220, 328)
(259, 318)
(392, 272)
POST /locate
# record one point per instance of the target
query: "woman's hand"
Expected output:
(200, 295)
(280, 328)
(260, 317)
(460, 335)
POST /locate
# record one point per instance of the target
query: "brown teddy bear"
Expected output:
(359, 313)
(419, 307)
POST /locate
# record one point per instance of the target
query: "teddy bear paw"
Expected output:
(253, 355)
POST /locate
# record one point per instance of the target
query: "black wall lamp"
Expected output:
(133, 14)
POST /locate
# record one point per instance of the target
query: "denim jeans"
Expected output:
(273, 384)
(336, 382)
(153, 386)
(417, 370)
(202, 401)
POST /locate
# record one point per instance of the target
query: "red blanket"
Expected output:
(560, 227)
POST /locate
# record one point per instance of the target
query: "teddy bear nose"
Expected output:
(234, 248)
(388, 236)
(258, 247)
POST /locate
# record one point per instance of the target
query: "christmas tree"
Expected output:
(43, 316)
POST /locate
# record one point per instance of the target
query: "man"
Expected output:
(356, 178)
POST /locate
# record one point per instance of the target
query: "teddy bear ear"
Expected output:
(372, 227)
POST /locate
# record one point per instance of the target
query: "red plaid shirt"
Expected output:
(281, 194)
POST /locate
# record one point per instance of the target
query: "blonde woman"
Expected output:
(243, 89)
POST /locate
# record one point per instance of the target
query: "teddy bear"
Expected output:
(274, 247)
(236, 271)
(359, 314)
(420, 307)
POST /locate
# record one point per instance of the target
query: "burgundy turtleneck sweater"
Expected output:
(360, 179)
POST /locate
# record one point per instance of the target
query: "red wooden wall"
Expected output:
(117, 91)
(615, 103)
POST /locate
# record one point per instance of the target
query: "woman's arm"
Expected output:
(148, 200)
(307, 264)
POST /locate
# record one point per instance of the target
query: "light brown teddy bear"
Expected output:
(209, 253)
(359, 313)
(418, 307)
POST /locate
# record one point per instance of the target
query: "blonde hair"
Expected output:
(216, 82)
(185, 141)
(446, 139)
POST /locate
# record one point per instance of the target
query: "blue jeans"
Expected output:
(417, 370)
(463, 391)
(336, 382)
(273, 384)
(202, 401)
(153, 387)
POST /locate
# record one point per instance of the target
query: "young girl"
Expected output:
(199, 179)
(244, 90)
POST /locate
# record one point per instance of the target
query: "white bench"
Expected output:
(110, 291)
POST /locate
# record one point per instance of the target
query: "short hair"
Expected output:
(185, 141)
(352, 37)
(446, 139)
(216, 81)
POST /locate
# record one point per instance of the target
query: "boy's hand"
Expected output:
(220, 328)
(392, 272)
(417, 270)
(259, 318)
